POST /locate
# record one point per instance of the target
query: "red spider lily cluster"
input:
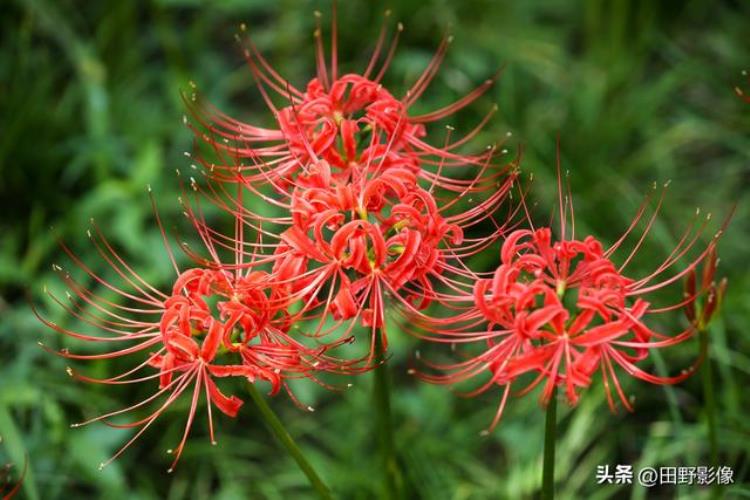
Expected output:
(556, 312)
(358, 213)
(367, 208)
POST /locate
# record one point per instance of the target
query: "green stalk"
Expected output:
(710, 403)
(384, 421)
(708, 395)
(550, 436)
(278, 429)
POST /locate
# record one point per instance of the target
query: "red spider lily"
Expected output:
(563, 310)
(213, 323)
(365, 208)
(348, 120)
(350, 242)
(344, 230)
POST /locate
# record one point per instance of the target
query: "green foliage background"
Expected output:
(90, 113)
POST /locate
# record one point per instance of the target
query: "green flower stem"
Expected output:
(382, 401)
(278, 429)
(550, 436)
(710, 405)
(708, 394)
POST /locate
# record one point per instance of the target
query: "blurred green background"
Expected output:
(638, 91)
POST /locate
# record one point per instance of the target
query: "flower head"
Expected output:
(216, 321)
(350, 121)
(561, 310)
(366, 207)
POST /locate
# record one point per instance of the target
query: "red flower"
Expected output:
(365, 208)
(562, 310)
(350, 242)
(349, 121)
(214, 323)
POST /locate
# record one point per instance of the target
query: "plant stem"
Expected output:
(710, 405)
(550, 436)
(708, 394)
(382, 401)
(278, 429)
